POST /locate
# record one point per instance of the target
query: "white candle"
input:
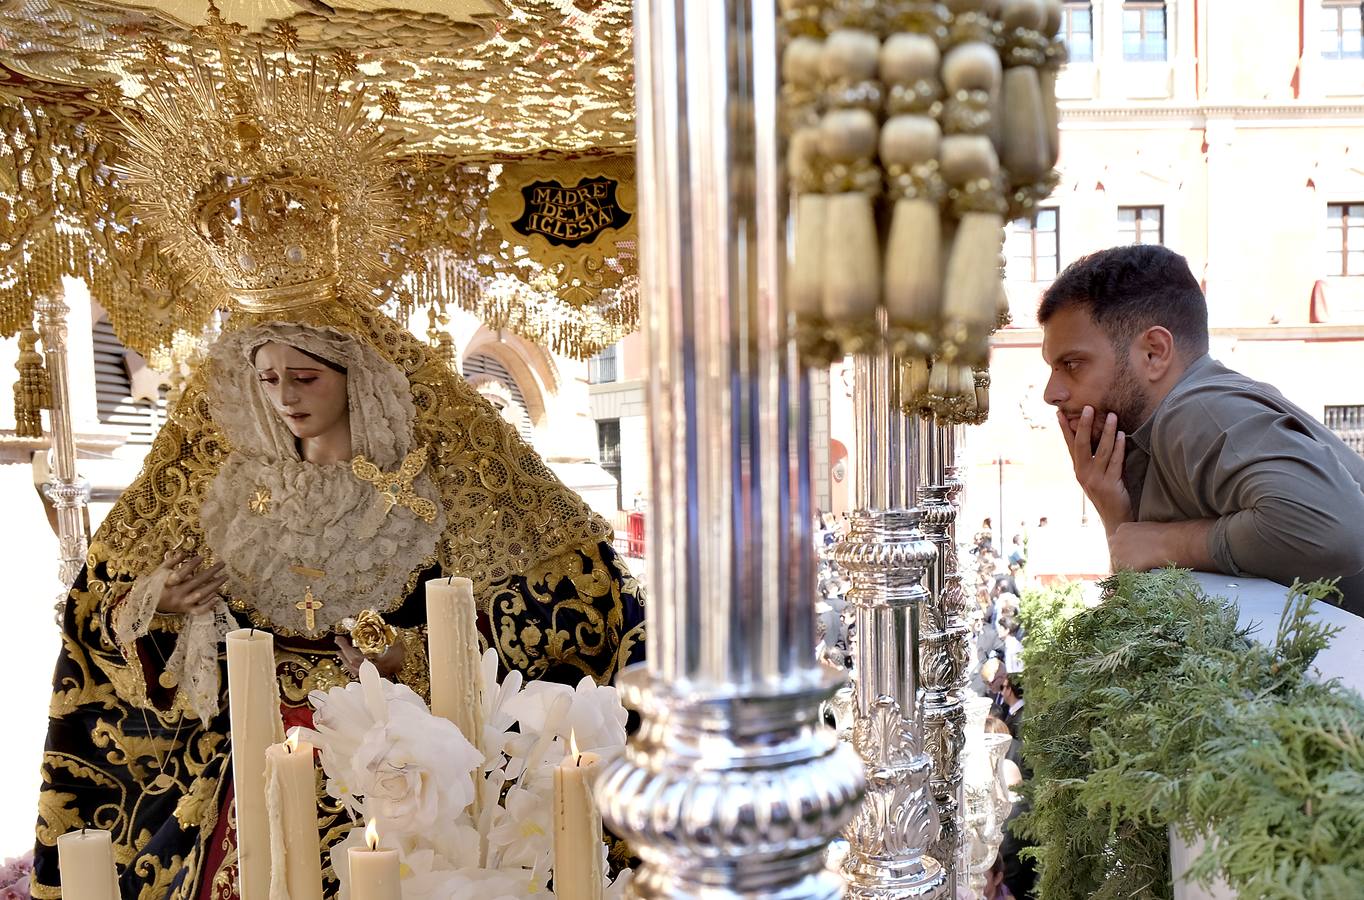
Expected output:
(85, 861)
(374, 873)
(578, 871)
(253, 705)
(452, 646)
(296, 850)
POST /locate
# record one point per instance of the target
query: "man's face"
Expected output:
(1086, 370)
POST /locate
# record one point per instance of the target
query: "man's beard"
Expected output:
(1126, 399)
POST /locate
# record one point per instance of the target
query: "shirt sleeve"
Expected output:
(1285, 505)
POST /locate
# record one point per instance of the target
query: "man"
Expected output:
(1187, 462)
(1011, 700)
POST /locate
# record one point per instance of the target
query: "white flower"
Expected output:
(597, 720)
(498, 700)
(388, 758)
(412, 768)
(523, 832)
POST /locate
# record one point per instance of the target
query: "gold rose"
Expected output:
(370, 634)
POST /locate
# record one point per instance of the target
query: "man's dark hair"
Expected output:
(1127, 290)
(1015, 684)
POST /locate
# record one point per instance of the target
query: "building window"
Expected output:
(1141, 224)
(1348, 424)
(1342, 29)
(495, 383)
(1033, 246)
(1143, 32)
(1345, 239)
(608, 449)
(124, 385)
(601, 369)
(1077, 30)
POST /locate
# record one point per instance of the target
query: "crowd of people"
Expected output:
(997, 672)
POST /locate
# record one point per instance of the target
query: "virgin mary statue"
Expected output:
(321, 465)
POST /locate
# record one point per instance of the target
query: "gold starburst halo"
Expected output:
(269, 182)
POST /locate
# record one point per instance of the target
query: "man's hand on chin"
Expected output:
(1098, 469)
(1141, 546)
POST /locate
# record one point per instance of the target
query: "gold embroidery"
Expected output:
(395, 489)
(260, 501)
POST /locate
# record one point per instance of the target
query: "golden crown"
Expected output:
(268, 180)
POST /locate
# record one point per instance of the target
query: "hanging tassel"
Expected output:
(851, 267)
(949, 385)
(1056, 55)
(971, 73)
(1026, 149)
(914, 375)
(800, 69)
(971, 288)
(982, 383)
(805, 286)
(910, 143)
(1003, 317)
(33, 391)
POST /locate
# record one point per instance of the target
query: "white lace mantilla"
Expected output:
(287, 528)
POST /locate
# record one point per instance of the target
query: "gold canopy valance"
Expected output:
(483, 93)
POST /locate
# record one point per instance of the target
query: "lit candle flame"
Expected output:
(372, 835)
(573, 745)
(291, 742)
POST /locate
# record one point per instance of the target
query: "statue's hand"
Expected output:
(190, 588)
(389, 663)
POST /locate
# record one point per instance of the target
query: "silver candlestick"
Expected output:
(944, 642)
(69, 493)
(732, 787)
(886, 555)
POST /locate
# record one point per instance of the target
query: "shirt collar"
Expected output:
(1142, 436)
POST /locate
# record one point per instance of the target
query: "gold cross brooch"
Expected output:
(395, 489)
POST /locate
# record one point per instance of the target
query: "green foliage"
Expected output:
(1153, 709)
(1043, 610)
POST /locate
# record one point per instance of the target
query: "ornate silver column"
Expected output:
(68, 492)
(945, 637)
(886, 557)
(733, 787)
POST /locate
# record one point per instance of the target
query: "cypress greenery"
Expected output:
(1153, 709)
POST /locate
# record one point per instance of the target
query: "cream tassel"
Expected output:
(1026, 149)
(914, 375)
(910, 143)
(800, 114)
(971, 287)
(848, 137)
(982, 384)
(1056, 57)
(805, 286)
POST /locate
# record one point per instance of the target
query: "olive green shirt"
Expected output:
(1287, 494)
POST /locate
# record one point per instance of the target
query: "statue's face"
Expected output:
(309, 396)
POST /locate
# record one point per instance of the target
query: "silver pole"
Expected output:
(733, 787)
(68, 492)
(886, 557)
(945, 640)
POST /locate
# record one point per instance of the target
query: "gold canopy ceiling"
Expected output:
(481, 83)
(476, 77)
